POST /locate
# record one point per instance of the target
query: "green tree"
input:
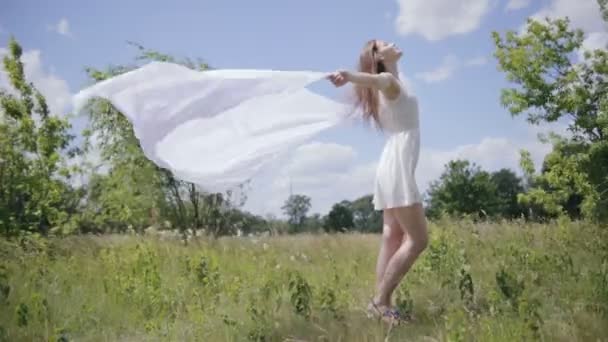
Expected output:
(462, 189)
(508, 187)
(339, 218)
(313, 223)
(34, 149)
(550, 85)
(604, 9)
(295, 208)
(365, 217)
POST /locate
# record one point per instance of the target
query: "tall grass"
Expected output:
(485, 282)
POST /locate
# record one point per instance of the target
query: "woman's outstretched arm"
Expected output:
(384, 82)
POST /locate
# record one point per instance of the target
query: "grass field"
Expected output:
(483, 282)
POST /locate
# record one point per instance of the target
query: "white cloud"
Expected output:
(584, 14)
(438, 19)
(54, 89)
(314, 156)
(62, 27)
(513, 5)
(443, 72)
(477, 61)
(326, 172)
(448, 67)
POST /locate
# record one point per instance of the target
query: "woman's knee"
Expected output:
(391, 230)
(417, 243)
(422, 236)
(413, 218)
(392, 233)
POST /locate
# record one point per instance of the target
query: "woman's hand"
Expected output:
(339, 78)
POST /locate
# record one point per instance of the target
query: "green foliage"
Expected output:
(340, 218)
(23, 314)
(563, 187)
(34, 150)
(551, 86)
(313, 223)
(508, 187)
(3, 334)
(365, 217)
(461, 189)
(604, 9)
(466, 190)
(404, 302)
(485, 281)
(261, 330)
(358, 215)
(300, 294)
(295, 208)
(5, 288)
(600, 275)
(509, 286)
(328, 302)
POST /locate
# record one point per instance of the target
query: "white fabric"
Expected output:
(216, 128)
(395, 184)
(219, 128)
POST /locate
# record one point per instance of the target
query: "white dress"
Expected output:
(395, 184)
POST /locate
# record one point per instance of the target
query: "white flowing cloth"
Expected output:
(217, 128)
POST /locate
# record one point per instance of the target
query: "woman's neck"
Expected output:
(392, 68)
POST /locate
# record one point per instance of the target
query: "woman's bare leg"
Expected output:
(412, 219)
(392, 237)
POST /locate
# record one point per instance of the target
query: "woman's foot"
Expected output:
(383, 312)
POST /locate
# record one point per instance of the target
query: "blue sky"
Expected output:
(447, 60)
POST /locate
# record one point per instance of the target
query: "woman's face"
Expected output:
(388, 52)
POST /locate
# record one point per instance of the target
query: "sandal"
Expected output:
(396, 316)
(388, 315)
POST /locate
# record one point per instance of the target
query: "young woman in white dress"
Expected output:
(382, 97)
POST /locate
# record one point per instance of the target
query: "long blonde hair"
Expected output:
(368, 98)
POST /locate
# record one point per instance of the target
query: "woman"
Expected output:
(383, 97)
